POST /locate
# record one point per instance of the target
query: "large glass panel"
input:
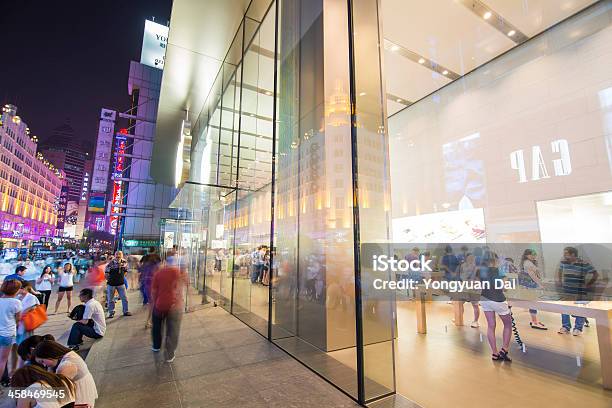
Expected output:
(370, 156)
(252, 252)
(500, 134)
(314, 291)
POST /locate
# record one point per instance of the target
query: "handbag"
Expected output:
(35, 317)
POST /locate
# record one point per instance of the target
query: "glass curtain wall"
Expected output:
(282, 254)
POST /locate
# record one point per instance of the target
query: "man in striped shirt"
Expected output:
(572, 275)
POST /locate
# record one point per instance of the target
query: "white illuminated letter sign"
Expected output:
(538, 168)
(563, 165)
(517, 162)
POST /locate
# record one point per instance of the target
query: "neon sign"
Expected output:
(116, 199)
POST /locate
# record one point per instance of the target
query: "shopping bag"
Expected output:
(35, 317)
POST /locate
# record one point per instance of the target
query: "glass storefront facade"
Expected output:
(335, 124)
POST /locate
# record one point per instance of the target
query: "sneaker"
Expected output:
(586, 323)
(563, 330)
(111, 315)
(74, 348)
(127, 314)
(171, 359)
(155, 350)
(475, 325)
(577, 332)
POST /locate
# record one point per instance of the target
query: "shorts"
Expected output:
(501, 308)
(7, 341)
(64, 289)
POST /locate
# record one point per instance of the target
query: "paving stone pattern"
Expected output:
(220, 363)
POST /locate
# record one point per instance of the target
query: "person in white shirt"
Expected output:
(92, 325)
(66, 283)
(10, 314)
(28, 302)
(44, 284)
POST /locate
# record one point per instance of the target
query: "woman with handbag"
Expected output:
(10, 314)
(28, 303)
(531, 278)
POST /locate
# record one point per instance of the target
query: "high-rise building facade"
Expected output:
(142, 202)
(471, 140)
(64, 150)
(30, 184)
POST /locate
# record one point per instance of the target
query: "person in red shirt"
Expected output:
(167, 291)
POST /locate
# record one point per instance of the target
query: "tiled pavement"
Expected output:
(220, 363)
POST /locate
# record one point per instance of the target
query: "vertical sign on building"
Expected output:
(99, 178)
(61, 209)
(154, 44)
(117, 197)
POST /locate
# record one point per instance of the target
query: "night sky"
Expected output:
(67, 59)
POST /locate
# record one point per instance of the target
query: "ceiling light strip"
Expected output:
(254, 88)
(495, 20)
(421, 60)
(398, 99)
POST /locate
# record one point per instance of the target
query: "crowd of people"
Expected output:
(34, 362)
(575, 281)
(38, 363)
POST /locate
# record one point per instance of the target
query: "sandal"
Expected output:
(538, 326)
(496, 357)
(503, 353)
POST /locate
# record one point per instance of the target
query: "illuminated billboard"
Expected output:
(97, 202)
(154, 44)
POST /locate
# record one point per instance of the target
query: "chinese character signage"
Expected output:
(61, 209)
(117, 197)
(99, 180)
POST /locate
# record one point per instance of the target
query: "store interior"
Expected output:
(462, 100)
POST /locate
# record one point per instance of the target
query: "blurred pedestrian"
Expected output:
(62, 360)
(132, 275)
(18, 275)
(94, 279)
(115, 281)
(167, 298)
(148, 266)
(66, 284)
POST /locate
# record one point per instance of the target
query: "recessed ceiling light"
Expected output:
(445, 72)
(421, 60)
(511, 33)
(399, 100)
(362, 94)
(487, 15)
(394, 48)
(268, 93)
